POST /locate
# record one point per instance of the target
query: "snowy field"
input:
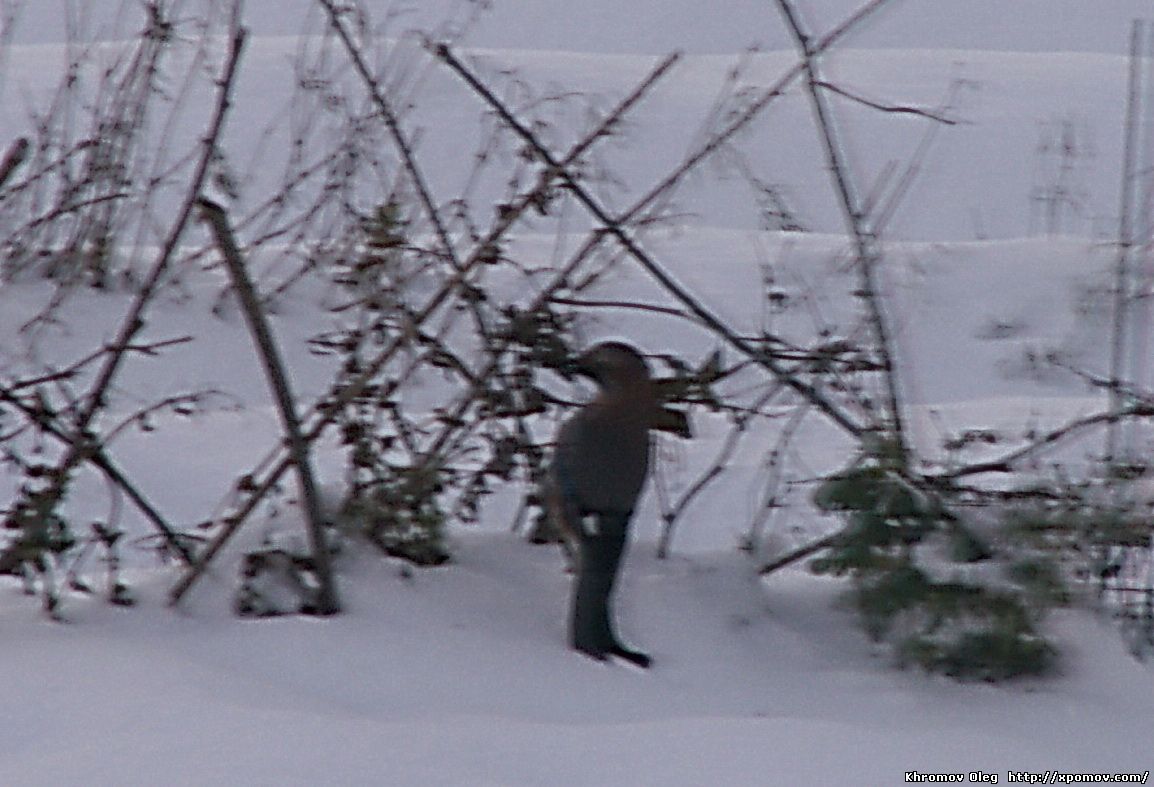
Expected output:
(459, 675)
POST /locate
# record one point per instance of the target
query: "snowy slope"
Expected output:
(977, 183)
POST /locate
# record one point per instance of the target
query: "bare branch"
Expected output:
(801, 553)
(84, 442)
(101, 460)
(325, 414)
(755, 108)
(714, 471)
(867, 252)
(393, 125)
(15, 156)
(1005, 463)
(888, 108)
(615, 227)
(327, 602)
(586, 303)
(133, 321)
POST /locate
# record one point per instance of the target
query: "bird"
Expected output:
(597, 474)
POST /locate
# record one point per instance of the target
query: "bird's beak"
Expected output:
(583, 366)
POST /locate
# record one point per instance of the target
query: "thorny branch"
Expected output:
(99, 458)
(1005, 463)
(393, 124)
(617, 228)
(328, 411)
(867, 252)
(83, 443)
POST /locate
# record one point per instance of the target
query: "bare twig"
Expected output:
(703, 152)
(937, 117)
(719, 140)
(775, 473)
(801, 553)
(393, 125)
(104, 463)
(713, 472)
(74, 368)
(1005, 463)
(587, 303)
(133, 322)
(884, 211)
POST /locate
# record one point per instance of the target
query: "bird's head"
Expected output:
(613, 366)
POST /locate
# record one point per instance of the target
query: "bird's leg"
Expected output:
(600, 561)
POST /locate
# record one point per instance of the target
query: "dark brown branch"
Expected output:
(104, 463)
(326, 602)
(801, 553)
(1005, 463)
(393, 125)
(616, 228)
(72, 207)
(70, 371)
(13, 158)
(888, 108)
(83, 445)
(134, 322)
(630, 305)
(867, 253)
(322, 417)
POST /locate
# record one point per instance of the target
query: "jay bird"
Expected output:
(596, 476)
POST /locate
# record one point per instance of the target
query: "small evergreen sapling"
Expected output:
(917, 585)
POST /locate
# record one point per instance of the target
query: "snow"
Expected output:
(460, 675)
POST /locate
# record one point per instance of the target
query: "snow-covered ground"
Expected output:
(459, 675)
